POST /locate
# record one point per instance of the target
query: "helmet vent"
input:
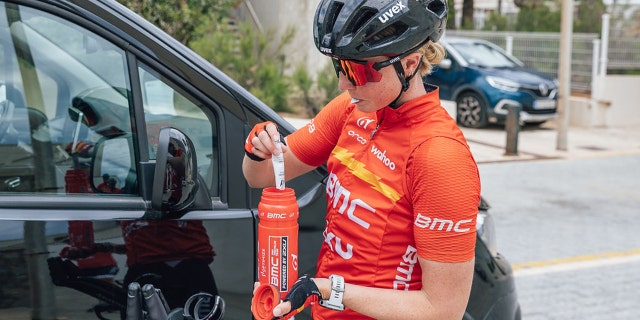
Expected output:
(388, 34)
(438, 7)
(332, 15)
(365, 15)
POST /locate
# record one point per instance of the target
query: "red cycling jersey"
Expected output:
(151, 241)
(402, 183)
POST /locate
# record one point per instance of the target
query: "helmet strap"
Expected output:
(404, 80)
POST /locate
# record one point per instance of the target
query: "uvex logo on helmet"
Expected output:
(397, 8)
(325, 50)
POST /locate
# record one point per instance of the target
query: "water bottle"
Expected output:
(277, 243)
(278, 239)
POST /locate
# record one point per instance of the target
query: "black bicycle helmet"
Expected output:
(356, 29)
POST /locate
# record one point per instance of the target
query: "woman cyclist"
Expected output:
(403, 188)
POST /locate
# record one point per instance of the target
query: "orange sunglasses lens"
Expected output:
(358, 72)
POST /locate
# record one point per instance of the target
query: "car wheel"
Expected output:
(471, 110)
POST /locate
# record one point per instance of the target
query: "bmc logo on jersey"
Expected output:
(446, 225)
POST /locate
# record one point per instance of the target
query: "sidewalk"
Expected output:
(541, 142)
(489, 144)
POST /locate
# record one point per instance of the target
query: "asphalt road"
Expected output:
(570, 230)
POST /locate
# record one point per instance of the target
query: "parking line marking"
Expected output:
(575, 263)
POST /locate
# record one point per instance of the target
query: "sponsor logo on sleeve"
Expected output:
(445, 225)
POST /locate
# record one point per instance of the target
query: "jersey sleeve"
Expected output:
(444, 186)
(313, 143)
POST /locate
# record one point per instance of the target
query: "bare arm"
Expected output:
(444, 294)
(259, 174)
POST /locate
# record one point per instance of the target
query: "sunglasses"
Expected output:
(358, 72)
(361, 72)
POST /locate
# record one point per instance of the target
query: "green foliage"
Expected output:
(316, 94)
(467, 15)
(179, 18)
(304, 82)
(496, 22)
(451, 14)
(252, 58)
(631, 72)
(538, 18)
(589, 16)
(545, 16)
(327, 83)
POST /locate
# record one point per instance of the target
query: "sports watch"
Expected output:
(337, 290)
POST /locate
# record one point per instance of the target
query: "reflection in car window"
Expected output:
(165, 105)
(65, 88)
(482, 55)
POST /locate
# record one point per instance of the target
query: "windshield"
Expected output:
(483, 55)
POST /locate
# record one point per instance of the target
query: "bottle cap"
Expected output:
(265, 298)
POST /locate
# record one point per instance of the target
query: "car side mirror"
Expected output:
(175, 175)
(113, 165)
(445, 64)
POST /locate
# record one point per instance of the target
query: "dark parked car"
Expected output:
(484, 81)
(93, 72)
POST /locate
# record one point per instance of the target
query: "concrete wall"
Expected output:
(615, 102)
(278, 14)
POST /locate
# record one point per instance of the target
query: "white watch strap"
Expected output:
(337, 291)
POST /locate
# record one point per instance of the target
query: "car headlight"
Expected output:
(503, 84)
(487, 231)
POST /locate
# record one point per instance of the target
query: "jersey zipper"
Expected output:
(374, 130)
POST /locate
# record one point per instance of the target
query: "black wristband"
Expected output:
(253, 156)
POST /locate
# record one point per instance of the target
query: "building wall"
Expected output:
(613, 103)
(620, 96)
(278, 14)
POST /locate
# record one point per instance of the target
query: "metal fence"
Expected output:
(542, 51)
(624, 54)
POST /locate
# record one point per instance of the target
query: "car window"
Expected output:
(63, 89)
(166, 105)
(480, 54)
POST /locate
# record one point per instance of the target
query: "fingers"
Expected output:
(264, 141)
(282, 309)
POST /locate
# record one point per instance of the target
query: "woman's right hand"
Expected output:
(260, 144)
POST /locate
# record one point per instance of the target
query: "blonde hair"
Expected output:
(432, 54)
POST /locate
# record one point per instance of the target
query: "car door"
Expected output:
(71, 81)
(447, 76)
